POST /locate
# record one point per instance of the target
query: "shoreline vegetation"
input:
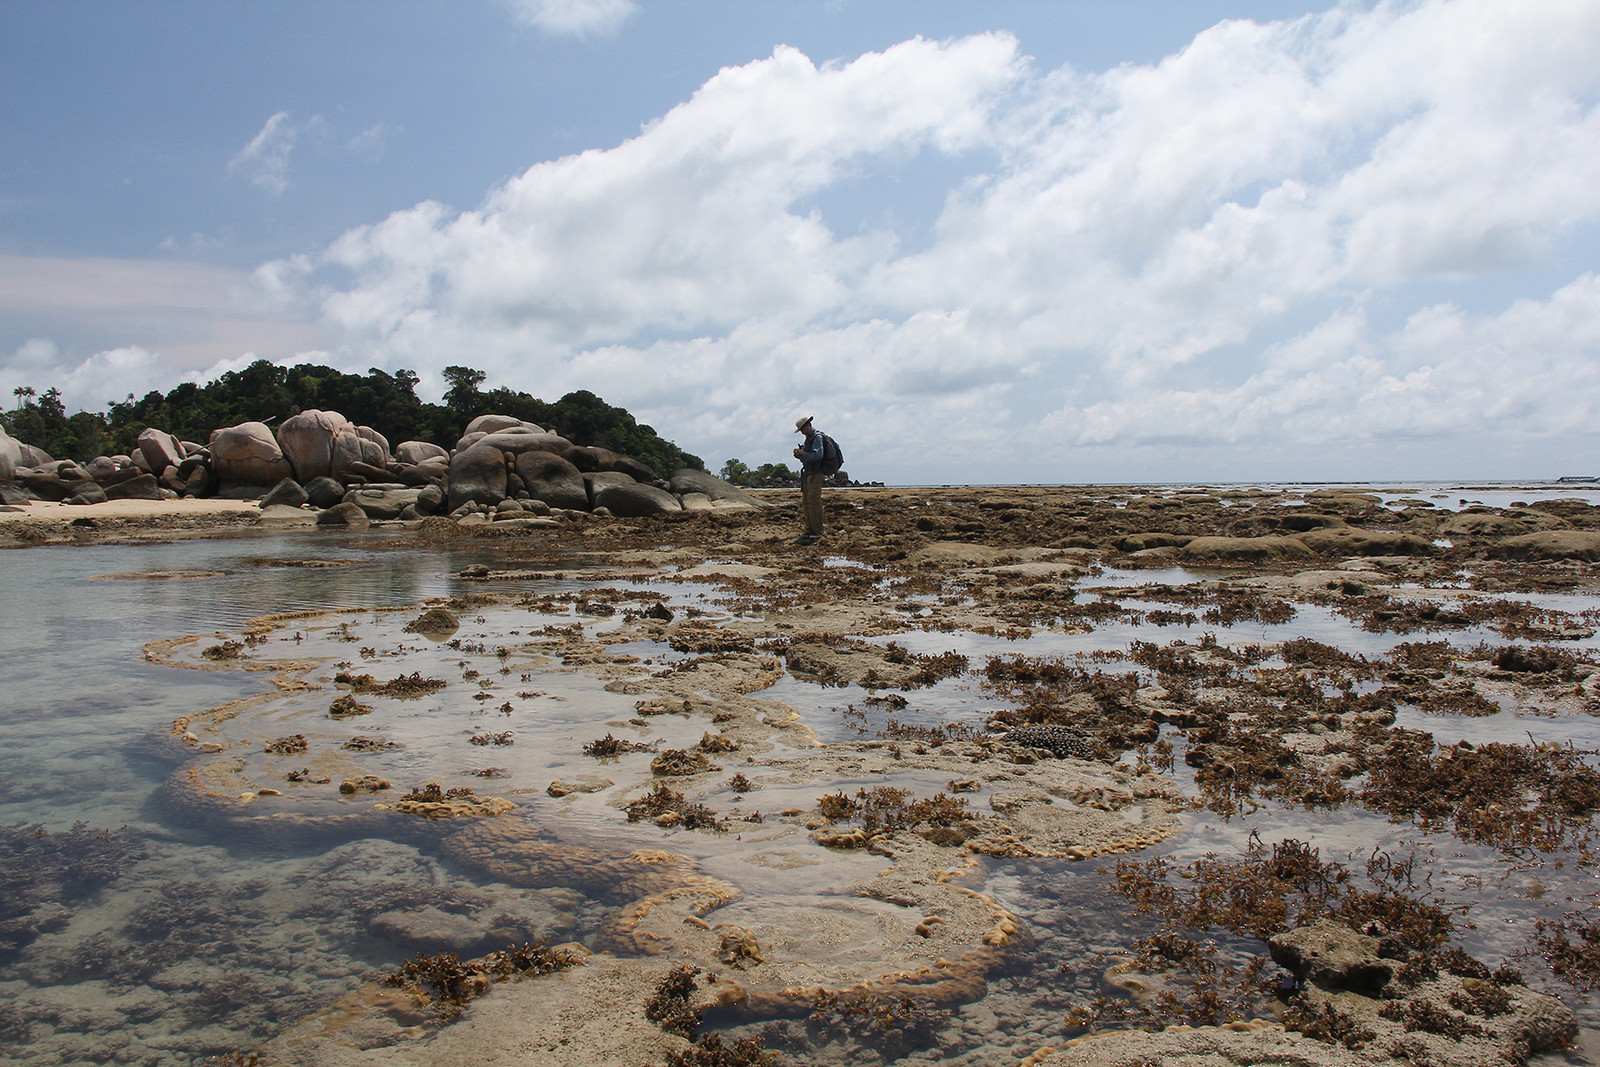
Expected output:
(267, 393)
(1214, 708)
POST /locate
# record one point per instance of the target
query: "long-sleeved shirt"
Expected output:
(811, 454)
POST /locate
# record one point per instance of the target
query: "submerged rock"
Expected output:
(437, 623)
(347, 515)
(1231, 550)
(1551, 545)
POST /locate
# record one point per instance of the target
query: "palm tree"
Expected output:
(24, 393)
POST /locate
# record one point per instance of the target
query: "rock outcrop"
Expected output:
(502, 469)
(248, 455)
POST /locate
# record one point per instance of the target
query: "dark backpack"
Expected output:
(832, 455)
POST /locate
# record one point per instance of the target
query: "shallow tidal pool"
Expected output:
(148, 939)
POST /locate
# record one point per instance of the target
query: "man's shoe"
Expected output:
(810, 539)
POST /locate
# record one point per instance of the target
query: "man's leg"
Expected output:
(811, 497)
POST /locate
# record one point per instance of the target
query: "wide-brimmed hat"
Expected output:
(801, 424)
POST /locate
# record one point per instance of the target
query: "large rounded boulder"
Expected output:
(358, 457)
(515, 442)
(160, 449)
(34, 456)
(607, 460)
(477, 476)
(435, 471)
(144, 487)
(491, 423)
(416, 453)
(550, 478)
(479, 470)
(383, 501)
(307, 442)
(634, 499)
(688, 480)
(346, 516)
(248, 455)
(10, 456)
(287, 493)
(367, 433)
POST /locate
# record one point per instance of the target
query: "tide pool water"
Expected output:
(184, 945)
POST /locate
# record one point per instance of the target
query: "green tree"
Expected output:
(774, 472)
(463, 395)
(45, 425)
(264, 392)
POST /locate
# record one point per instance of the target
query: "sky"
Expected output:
(1030, 241)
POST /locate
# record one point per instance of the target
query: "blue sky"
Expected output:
(1035, 242)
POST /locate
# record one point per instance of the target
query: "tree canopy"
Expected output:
(266, 392)
(768, 474)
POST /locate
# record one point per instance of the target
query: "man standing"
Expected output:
(810, 455)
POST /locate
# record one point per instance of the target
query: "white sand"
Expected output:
(128, 509)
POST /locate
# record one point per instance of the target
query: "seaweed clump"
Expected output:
(672, 1008)
(679, 761)
(668, 807)
(347, 705)
(892, 1023)
(406, 685)
(449, 984)
(1267, 892)
(41, 872)
(885, 809)
(711, 742)
(433, 793)
(364, 743)
(602, 747)
(1272, 890)
(286, 746)
(502, 737)
(1575, 959)
(1510, 797)
(711, 1051)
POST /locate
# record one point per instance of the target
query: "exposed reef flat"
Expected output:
(637, 712)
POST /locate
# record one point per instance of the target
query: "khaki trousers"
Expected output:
(811, 498)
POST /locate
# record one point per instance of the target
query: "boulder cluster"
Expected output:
(501, 468)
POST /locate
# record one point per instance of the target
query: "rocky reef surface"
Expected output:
(623, 722)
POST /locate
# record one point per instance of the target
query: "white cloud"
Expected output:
(91, 384)
(34, 352)
(1532, 370)
(575, 18)
(370, 143)
(265, 159)
(683, 229)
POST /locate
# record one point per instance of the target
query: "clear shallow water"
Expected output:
(231, 940)
(77, 687)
